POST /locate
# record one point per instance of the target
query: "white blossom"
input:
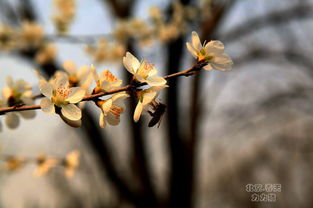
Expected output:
(212, 52)
(145, 98)
(111, 109)
(17, 93)
(60, 95)
(142, 71)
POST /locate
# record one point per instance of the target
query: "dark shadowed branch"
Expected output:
(123, 10)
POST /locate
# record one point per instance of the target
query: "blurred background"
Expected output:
(221, 130)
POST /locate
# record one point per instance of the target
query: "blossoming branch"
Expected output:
(64, 93)
(44, 163)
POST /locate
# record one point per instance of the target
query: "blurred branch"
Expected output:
(8, 12)
(104, 154)
(273, 18)
(294, 57)
(208, 27)
(77, 38)
(26, 11)
(179, 179)
(122, 10)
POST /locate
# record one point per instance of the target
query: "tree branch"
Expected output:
(273, 18)
(264, 53)
(188, 72)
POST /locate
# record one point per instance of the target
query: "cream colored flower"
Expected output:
(7, 37)
(167, 32)
(106, 81)
(212, 52)
(44, 165)
(155, 13)
(14, 163)
(145, 98)
(112, 109)
(121, 32)
(71, 162)
(17, 93)
(81, 76)
(117, 51)
(99, 52)
(46, 54)
(64, 14)
(106, 50)
(31, 34)
(143, 72)
(60, 96)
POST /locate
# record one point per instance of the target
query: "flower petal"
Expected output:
(195, 41)
(156, 81)
(12, 120)
(148, 97)
(83, 72)
(131, 63)
(22, 86)
(94, 73)
(102, 120)
(138, 111)
(6, 93)
(76, 94)
(119, 96)
(71, 123)
(47, 106)
(208, 67)
(71, 112)
(10, 82)
(192, 50)
(112, 120)
(45, 88)
(153, 71)
(69, 67)
(61, 82)
(84, 76)
(106, 106)
(27, 100)
(222, 62)
(215, 47)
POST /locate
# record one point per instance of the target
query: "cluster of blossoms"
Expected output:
(16, 93)
(145, 32)
(65, 92)
(43, 163)
(64, 14)
(106, 50)
(28, 37)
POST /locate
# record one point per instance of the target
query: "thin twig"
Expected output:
(77, 38)
(188, 72)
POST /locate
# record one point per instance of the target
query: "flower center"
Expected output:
(109, 76)
(144, 69)
(59, 95)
